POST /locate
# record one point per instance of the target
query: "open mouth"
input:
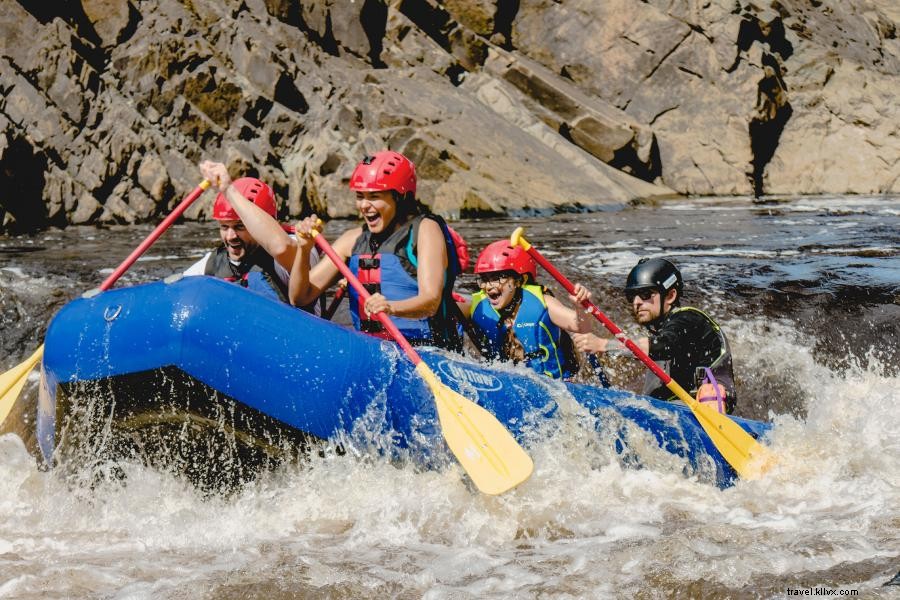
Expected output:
(493, 295)
(372, 218)
(235, 248)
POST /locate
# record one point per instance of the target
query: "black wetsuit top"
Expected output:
(683, 341)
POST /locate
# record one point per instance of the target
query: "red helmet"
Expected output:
(385, 170)
(500, 256)
(253, 190)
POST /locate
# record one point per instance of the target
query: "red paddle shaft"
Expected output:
(154, 235)
(325, 247)
(598, 314)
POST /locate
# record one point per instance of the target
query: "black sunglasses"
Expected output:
(644, 294)
(495, 278)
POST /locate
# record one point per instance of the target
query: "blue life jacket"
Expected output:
(391, 271)
(548, 349)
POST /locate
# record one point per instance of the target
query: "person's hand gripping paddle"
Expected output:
(483, 446)
(749, 458)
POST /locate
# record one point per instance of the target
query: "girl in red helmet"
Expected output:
(517, 319)
(256, 252)
(403, 255)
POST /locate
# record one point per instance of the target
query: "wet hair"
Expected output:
(408, 205)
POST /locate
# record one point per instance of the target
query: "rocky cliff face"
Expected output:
(108, 105)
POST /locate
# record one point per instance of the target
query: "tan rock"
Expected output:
(593, 125)
(110, 18)
(152, 177)
(115, 207)
(476, 15)
(585, 103)
(87, 210)
(143, 207)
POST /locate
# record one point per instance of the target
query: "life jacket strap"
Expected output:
(369, 262)
(711, 379)
(242, 280)
(371, 326)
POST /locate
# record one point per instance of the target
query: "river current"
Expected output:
(808, 291)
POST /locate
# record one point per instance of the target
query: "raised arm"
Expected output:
(573, 320)
(265, 230)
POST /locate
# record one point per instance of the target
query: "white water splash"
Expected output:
(828, 515)
(583, 525)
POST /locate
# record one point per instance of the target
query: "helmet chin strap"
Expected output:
(663, 312)
(676, 302)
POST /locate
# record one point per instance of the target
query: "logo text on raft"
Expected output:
(479, 381)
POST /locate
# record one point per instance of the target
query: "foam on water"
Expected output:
(583, 524)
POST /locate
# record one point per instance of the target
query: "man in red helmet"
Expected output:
(256, 252)
(518, 319)
(404, 256)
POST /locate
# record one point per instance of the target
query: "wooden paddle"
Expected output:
(12, 381)
(747, 456)
(486, 450)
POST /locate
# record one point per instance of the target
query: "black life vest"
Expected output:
(256, 272)
(687, 370)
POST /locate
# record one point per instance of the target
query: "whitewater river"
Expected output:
(808, 291)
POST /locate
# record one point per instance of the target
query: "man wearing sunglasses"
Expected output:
(684, 341)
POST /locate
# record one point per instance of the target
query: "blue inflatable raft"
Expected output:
(212, 380)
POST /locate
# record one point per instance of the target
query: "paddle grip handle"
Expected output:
(613, 329)
(154, 235)
(323, 245)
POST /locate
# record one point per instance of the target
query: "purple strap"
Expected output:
(710, 378)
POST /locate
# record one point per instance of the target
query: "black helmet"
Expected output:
(654, 273)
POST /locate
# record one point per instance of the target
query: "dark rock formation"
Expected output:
(108, 105)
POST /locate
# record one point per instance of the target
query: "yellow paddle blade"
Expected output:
(12, 382)
(749, 458)
(483, 446)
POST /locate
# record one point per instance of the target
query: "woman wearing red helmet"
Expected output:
(404, 256)
(256, 252)
(518, 319)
